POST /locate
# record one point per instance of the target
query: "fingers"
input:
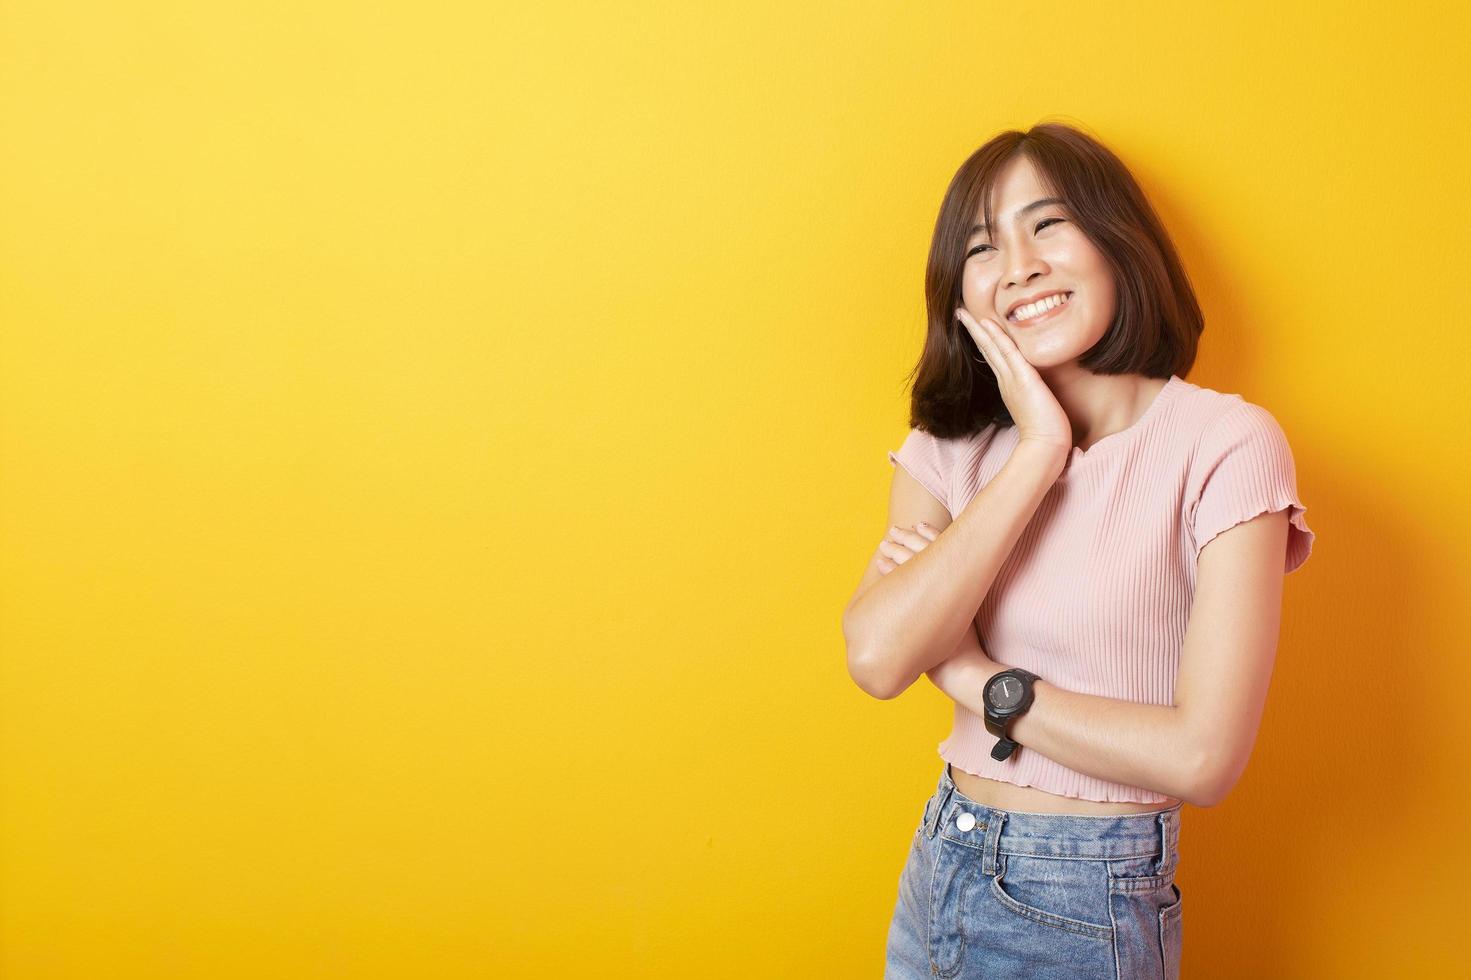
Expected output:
(996, 346)
(904, 543)
(911, 537)
(896, 553)
(977, 333)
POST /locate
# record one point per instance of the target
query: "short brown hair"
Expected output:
(1158, 320)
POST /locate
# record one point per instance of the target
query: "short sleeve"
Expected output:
(1244, 467)
(927, 459)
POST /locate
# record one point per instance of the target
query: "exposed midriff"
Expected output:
(1029, 799)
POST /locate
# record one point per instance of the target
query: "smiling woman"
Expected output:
(1069, 512)
(1035, 214)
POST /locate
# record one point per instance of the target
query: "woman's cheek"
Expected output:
(974, 290)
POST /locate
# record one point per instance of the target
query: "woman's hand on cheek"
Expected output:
(1038, 415)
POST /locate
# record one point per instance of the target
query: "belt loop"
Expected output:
(1164, 843)
(990, 855)
(934, 823)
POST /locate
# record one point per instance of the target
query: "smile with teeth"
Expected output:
(1033, 310)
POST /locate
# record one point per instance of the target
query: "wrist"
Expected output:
(1007, 703)
(990, 669)
(1046, 455)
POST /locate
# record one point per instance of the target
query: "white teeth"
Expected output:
(1039, 307)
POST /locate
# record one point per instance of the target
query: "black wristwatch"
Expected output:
(1008, 695)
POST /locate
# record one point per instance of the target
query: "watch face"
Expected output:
(1004, 692)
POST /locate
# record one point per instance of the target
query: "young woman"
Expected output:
(1108, 541)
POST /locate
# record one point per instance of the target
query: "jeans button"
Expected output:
(965, 821)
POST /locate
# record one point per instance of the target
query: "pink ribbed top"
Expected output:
(1096, 594)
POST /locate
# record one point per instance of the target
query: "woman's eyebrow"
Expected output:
(978, 229)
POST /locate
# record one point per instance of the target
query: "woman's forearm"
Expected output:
(910, 620)
(963, 677)
(1126, 742)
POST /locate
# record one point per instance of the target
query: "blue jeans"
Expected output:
(1005, 893)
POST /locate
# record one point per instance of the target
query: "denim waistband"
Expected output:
(1066, 835)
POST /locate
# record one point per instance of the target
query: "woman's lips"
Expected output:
(1055, 311)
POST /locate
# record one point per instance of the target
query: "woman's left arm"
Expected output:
(1197, 748)
(1121, 741)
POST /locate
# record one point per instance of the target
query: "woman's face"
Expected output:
(1031, 254)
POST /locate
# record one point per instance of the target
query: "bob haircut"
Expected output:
(1158, 319)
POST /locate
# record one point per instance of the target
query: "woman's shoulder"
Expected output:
(942, 462)
(1199, 410)
(1216, 429)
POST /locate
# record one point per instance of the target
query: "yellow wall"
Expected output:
(438, 440)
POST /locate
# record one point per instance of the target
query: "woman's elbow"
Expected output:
(1210, 781)
(867, 671)
(872, 686)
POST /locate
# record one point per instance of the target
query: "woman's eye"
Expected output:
(1040, 226)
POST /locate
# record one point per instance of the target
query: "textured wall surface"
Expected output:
(437, 441)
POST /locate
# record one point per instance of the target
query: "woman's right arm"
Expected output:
(899, 625)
